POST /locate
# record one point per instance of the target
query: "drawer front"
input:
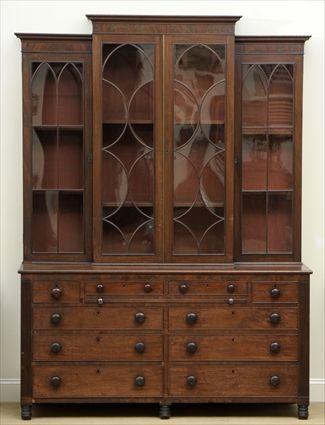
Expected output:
(144, 288)
(56, 291)
(107, 317)
(100, 347)
(233, 381)
(275, 292)
(84, 381)
(233, 347)
(207, 288)
(215, 317)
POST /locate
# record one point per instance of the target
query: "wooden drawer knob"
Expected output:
(274, 381)
(183, 288)
(56, 318)
(147, 288)
(191, 381)
(100, 301)
(275, 293)
(139, 317)
(231, 288)
(275, 347)
(191, 318)
(191, 347)
(56, 293)
(100, 288)
(139, 381)
(139, 347)
(56, 347)
(55, 381)
(274, 318)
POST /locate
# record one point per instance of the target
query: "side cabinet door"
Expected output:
(57, 145)
(199, 148)
(128, 138)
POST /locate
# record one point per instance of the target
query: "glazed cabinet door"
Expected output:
(57, 132)
(127, 158)
(269, 156)
(199, 148)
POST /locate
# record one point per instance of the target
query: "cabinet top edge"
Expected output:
(272, 38)
(164, 18)
(47, 36)
(166, 268)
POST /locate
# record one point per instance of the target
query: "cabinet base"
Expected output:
(26, 412)
(164, 411)
(303, 411)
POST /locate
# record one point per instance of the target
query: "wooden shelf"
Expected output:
(287, 130)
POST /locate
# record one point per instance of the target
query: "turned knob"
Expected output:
(275, 381)
(139, 317)
(275, 347)
(139, 347)
(274, 318)
(56, 293)
(55, 381)
(139, 381)
(56, 347)
(230, 301)
(56, 318)
(183, 288)
(191, 318)
(100, 288)
(231, 288)
(275, 293)
(100, 301)
(147, 288)
(191, 380)
(191, 347)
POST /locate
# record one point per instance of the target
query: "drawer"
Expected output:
(214, 317)
(56, 291)
(97, 381)
(143, 288)
(107, 317)
(207, 288)
(97, 347)
(275, 292)
(233, 381)
(233, 347)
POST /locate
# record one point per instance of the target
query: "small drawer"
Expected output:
(275, 292)
(56, 291)
(97, 347)
(85, 381)
(195, 317)
(123, 288)
(233, 381)
(233, 348)
(104, 318)
(195, 288)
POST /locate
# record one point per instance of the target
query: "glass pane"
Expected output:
(44, 161)
(128, 149)
(70, 108)
(280, 223)
(281, 97)
(71, 222)
(44, 100)
(254, 94)
(70, 159)
(280, 167)
(254, 157)
(45, 221)
(254, 222)
(199, 149)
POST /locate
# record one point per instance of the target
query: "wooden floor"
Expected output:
(147, 415)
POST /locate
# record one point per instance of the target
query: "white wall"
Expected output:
(264, 17)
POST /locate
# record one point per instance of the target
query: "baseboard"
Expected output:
(10, 390)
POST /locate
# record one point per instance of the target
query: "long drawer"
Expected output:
(233, 347)
(108, 317)
(214, 317)
(97, 381)
(97, 347)
(231, 380)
